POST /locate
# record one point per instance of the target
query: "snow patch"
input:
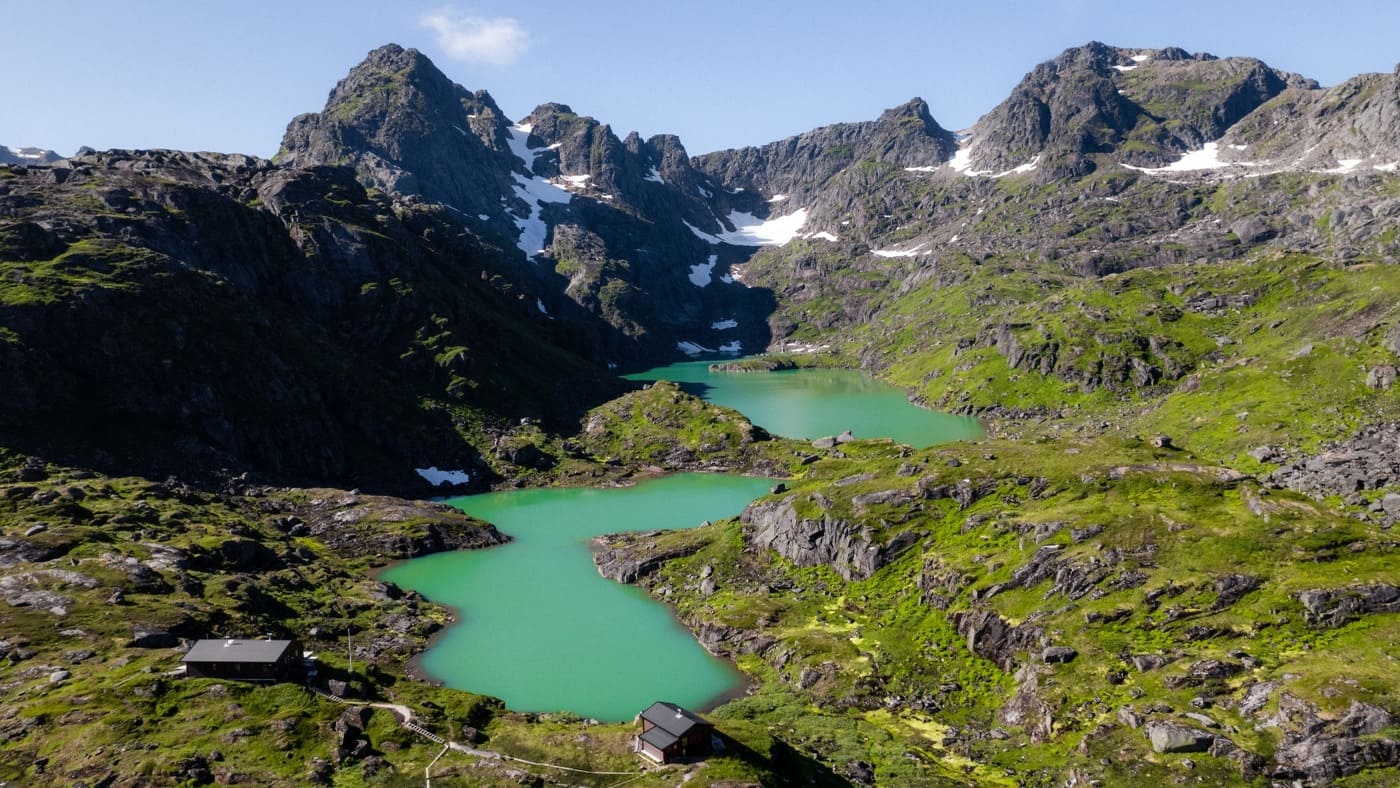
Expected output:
(962, 163)
(734, 347)
(1387, 167)
(437, 478)
(518, 140)
(898, 252)
(654, 176)
(535, 191)
(701, 234)
(927, 168)
(728, 279)
(1344, 166)
(539, 304)
(749, 230)
(1126, 68)
(823, 235)
(1141, 58)
(1207, 158)
(700, 273)
(721, 325)
(483, 217)
(777, 198)
(962, 159)
(575, 180)
(692, 349)
(707, 194)
(1027, 167)
(794, 346)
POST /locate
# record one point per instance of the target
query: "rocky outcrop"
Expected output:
(1318, 750)
(630, 557)
(1370, 460)
(1333, 607)
(819, 539)
(992, 637)
(355, 525)
(1026, 709)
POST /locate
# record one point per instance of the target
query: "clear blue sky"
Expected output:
(227, 77)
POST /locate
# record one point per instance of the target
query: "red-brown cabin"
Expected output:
(243, 660)
(670, 733)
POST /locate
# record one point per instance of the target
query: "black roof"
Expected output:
(671, 718)
(659, 738)
(232, 650)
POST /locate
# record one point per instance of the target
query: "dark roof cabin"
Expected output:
(670, 733)
(243, 660)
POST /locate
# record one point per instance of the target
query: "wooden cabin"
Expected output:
(243, 660)
(670, 733)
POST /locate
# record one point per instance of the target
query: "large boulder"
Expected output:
(1170, 737)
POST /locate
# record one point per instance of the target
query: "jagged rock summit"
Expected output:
(1097, 104)
(604, 225)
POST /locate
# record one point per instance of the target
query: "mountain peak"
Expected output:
(1141, 106)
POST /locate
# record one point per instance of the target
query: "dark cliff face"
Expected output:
(406, 129)
(1144, 107)
(805, 166)
(599, 223)
(188, 312)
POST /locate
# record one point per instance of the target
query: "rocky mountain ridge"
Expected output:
(652, 240)
(10, 155)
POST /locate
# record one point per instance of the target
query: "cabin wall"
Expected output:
(653, 752)
(240, 671)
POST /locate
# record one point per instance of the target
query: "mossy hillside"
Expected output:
(1282, 335)
(117, 712)
(664, 428)
(849, 646)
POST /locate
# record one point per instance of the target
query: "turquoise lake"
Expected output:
(811, 403)
(542, 630)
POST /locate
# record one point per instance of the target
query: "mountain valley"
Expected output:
(1166, 284)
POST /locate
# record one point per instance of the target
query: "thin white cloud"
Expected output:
(497, 42)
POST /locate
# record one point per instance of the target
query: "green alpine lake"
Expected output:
(542, 630)
(811, 403)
